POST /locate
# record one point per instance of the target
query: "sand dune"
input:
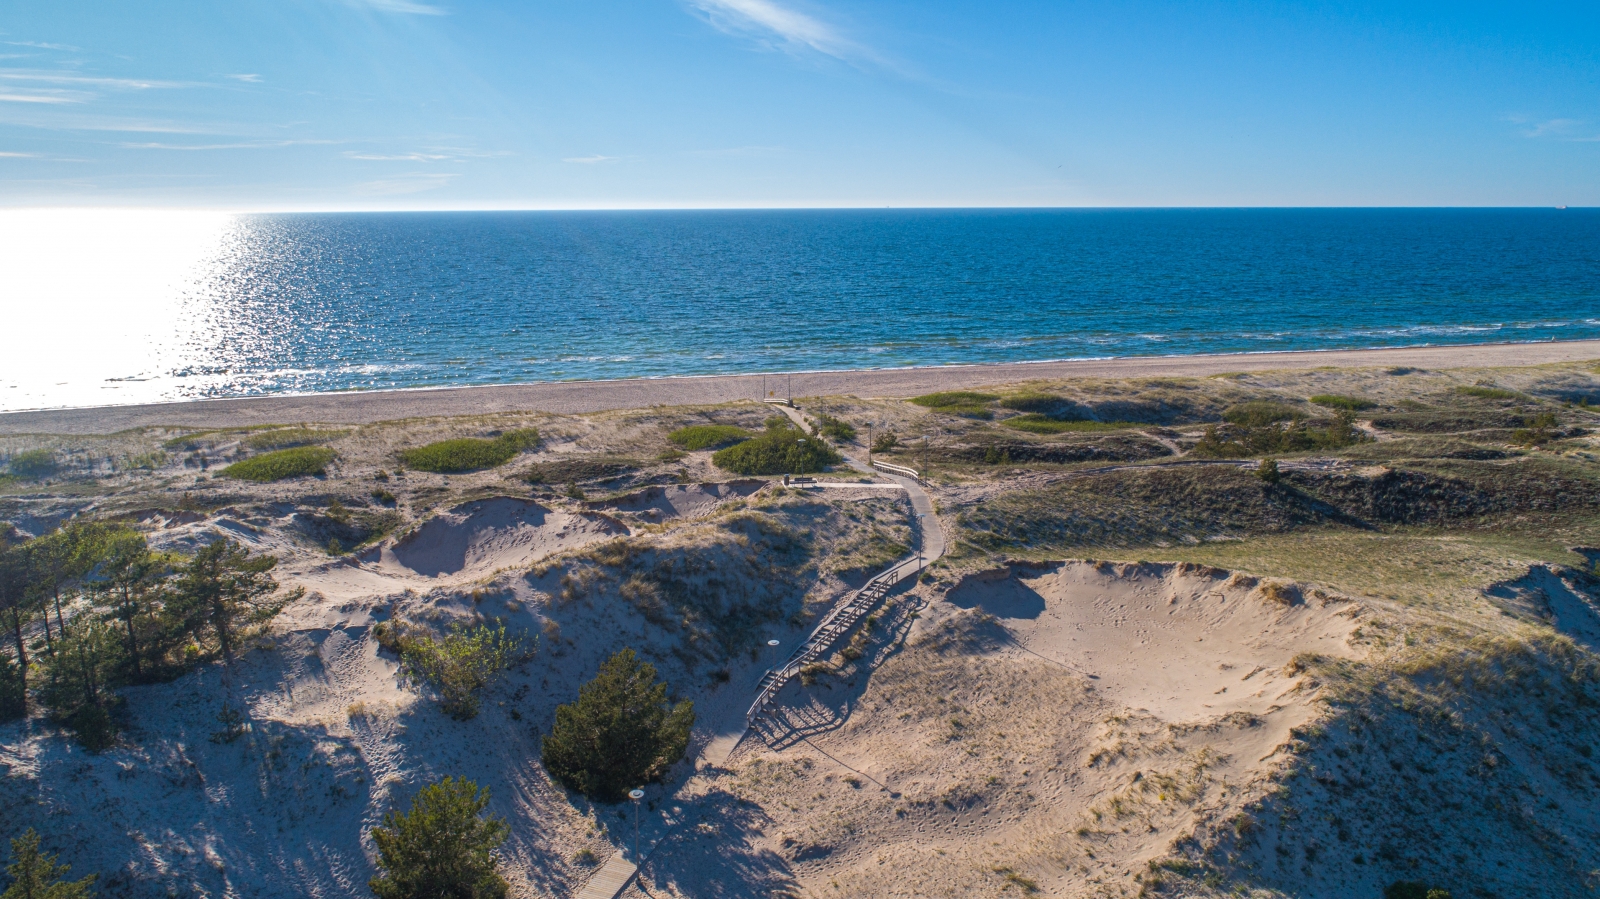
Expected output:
(485, 535)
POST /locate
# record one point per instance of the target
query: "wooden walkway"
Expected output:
(610, 879)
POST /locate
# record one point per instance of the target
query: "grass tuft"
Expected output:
(965, 403)
(290, 437)
(1346, 403)
(282, 464)
(699, 437)
(1483, 392)
(1261, 413)
(469, 453)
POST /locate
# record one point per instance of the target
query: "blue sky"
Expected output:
(354, 104)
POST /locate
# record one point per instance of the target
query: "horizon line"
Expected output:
(240, 209)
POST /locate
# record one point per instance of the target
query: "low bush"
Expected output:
(781, 449)
(1288, 437)
(1260, 413)
(621, 733)
(458, 665)
(37, 463)
(1035, 423)
(1411, 889)
(282, 464)
(699, 437)
(469, 453)
(1347, 403)
(284, 438)
(836, 429)
(884, 443)
(965, 403)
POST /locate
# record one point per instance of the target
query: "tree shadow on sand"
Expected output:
(715, 854)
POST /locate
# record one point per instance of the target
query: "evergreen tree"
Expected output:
(621, 733)
(17, 610)
(441, 849)
(223, 590)
(132, 582)
(81, 678)
(35, 874)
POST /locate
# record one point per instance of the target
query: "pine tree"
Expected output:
(223, 590)
(35, 875)
(441, 849)
(17, 610)
(621, 733)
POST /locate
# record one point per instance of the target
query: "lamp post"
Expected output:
(636, 794)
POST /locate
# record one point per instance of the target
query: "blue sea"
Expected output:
(256, 304)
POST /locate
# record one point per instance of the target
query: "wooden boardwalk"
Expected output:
(610, 879)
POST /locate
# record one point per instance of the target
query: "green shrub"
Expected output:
(1347, 403)
(276, 466)
(1268, 471)
(1260, 413)
(469, 453)
(781, 449)
(699, 437)
(965, 403)
(460, 664)
(37, 463)
(1042, 424)
(836, 429)
(1289, 437)
(284, 438)
(1483, 392)
(442, 848)
(883, 443)
(622, 732)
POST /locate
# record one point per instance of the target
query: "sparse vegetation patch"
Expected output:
(469, 453)
(699, 437)
(303, 461)
(965, 403)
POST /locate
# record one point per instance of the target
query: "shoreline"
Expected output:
(571, 397)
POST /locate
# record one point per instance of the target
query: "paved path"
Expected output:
(365, 407)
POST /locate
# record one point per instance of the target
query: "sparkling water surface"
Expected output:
(130, 306)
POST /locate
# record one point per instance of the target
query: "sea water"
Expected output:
(130, 306)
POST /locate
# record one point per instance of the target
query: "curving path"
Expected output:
(619, 870)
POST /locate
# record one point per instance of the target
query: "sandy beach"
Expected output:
(596, 396)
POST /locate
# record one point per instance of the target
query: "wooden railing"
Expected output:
(836, 625)
(897, 469)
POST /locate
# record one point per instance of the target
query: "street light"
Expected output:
(636, 794)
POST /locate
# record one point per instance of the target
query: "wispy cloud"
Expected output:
(50, 97)
(765, 19)
(1555, 129)
(10, 155)
(87, 80)
(416, 182)
(591, 160)
(398, 157)
(40, 46)
(242, 145)
(249, 79)
(407, 7)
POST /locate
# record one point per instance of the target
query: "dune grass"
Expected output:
(283, 438)
(699, 437)
(1490, 393)
(469, 453)
(1034, 401)
(1035, 423)
(33, 464)
(778, 450)
(282, 464)
(965, 403)
(1261, 413)
(1345, 403)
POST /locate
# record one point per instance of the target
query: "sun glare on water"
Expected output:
(103, 306)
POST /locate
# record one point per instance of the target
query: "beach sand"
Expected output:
(596, 396)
